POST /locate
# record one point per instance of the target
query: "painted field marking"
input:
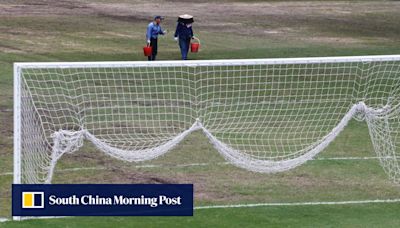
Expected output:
(299, 204)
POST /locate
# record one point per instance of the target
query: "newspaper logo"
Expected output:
(33, 200)
(102, 200)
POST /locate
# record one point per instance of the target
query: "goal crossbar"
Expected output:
(220, 62)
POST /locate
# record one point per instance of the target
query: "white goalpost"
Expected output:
(263, 115)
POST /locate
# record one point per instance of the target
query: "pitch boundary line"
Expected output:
(4, 219)
(299, 204)
(269, 204)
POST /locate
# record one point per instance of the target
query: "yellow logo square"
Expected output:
(32, 199)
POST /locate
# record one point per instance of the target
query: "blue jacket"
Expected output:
(153, 30)
(183, 31)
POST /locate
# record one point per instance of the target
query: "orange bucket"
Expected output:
(147, 51)
(194, 47)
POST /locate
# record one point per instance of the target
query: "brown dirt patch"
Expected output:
(260, 18)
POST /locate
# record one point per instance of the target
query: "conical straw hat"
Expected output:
(186, 16)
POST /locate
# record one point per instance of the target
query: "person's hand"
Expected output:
(148, 42)
(165, 32)
(176, 38)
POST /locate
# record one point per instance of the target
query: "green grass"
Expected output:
(370, 28)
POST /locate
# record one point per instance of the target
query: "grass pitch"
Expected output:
(111, 30)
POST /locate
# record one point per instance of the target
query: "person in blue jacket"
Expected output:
(184, 33)
(153, 30)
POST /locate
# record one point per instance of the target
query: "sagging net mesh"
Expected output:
(264, 116)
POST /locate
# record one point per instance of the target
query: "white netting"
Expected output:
(261, 115)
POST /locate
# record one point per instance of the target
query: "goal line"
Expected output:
(300, 203)
(351, 202)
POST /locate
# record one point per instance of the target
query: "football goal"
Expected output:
(262, 115)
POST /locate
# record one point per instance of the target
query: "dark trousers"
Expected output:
(154, 46)
(184, 45)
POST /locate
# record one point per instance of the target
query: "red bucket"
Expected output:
(194, 47)
(147, 50)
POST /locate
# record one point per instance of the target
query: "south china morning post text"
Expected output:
(102, 200)
(116, 200)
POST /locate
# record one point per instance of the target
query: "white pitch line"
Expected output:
(80, 169)
(350, 158)
(6, 174)
(299, 204)
(263, 205)
(3, 220)
(202, 164)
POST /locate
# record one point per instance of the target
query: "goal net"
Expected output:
(264, 115)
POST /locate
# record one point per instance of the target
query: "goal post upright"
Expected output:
(17, 124)
(17, 127)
